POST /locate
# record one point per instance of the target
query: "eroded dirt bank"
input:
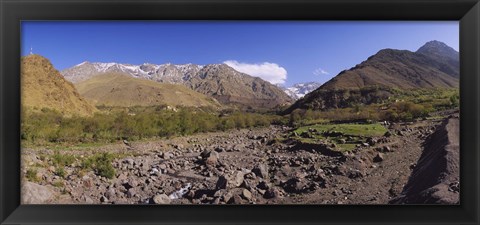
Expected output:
(435, 179)
(244, 167)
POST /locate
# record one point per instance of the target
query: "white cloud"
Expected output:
(270, 72)
(320, 71)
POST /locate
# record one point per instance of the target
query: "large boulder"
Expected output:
(35, 194)
(261, 170)
(237, 179)
(211, 158)
(161, 199)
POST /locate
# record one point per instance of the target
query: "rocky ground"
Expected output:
(237, 167)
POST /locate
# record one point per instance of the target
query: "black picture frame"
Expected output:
(14, 11)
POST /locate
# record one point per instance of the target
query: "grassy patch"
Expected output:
(344, 136)
(32, 175)
(366, 130)
(62, 160)
(101, 163)
(62, 146)
(435, 117)
(60, 172)
(58, 183)
(346, 147)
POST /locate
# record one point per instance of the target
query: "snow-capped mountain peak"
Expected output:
(301, 89)
(167, 72)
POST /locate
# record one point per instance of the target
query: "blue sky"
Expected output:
(281, 52)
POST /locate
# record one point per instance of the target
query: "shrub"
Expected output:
(59, 171)
(31, 175)
(135, 123)
(455, 100)
(409, 110)
(101, 164)
(390, 115)
(61, 160)
(58, 183)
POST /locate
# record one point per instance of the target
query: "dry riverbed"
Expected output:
(257, 166)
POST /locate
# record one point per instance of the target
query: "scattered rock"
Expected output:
(379, 157)
(205, 153)
(128, 161)
(161, 199)
(388, 134)
(371, 141)
(263, 185)
(212, 159)
(237, 179)
(247, 194)
(227, 197)
(110, 193)
(295, 185)
(219, 149)
(35, 194)
(287, 171)
(103, 199)
(88, 200)
(237, 199)
(272, 193)
(131, 192)
(412, 166)
(354, 174)
(167, 155)
(261, 170)
(221, 183)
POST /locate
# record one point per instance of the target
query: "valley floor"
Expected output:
(238, 166)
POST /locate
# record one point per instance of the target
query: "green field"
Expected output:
(349, 129)
(344, 136)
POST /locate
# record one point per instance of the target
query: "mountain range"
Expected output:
(163, 73)
(219, 81)
(434, 65)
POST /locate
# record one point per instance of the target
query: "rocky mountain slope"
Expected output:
(446, 57)
(220, 81)
(115, 89)
(44, 87)
(434, 65)
(299, 90)
(230, 86)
